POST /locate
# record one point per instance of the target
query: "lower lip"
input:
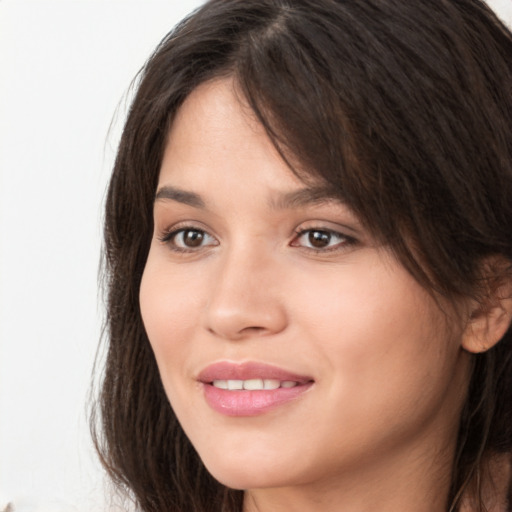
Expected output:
(250, 403)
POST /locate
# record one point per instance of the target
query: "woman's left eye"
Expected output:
(321, 239)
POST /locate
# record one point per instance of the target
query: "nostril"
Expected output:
(244, 332)
(253, 330)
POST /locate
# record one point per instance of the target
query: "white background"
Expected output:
(64, 69)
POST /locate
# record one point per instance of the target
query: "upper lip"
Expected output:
(229, 370)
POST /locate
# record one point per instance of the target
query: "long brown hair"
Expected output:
(405, 109)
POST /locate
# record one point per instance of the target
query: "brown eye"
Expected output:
(319, 239)
(192, 238)
(323, 240)
(188, 239)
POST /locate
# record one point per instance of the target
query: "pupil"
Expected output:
(319, 238)
(193, 238)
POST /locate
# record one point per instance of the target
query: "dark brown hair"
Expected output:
(405, 109)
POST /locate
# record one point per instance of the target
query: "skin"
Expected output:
(377, 430)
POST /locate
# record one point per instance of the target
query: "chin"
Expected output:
(240, 473)
(243, 479)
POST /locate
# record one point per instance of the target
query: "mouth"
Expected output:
(250, 389)
(253, 384)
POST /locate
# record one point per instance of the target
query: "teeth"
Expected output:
(235, 384)
(221, 384)
(253, 384)
(271, 384)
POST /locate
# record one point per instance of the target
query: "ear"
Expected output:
(490, 319)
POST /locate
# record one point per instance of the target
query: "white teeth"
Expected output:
(253, 384)
(271, 383)
(235, 384)
(221, 384)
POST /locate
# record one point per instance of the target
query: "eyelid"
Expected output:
(166, 236)
(167, 228)
(346, 242)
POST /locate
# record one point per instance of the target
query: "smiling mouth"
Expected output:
(253, 384)
(250, 388)
(249, 397)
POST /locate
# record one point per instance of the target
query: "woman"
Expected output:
(308, 246)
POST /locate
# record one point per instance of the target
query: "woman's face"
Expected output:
(255, 280)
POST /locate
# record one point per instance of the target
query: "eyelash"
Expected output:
(345, 241)
(169, 237)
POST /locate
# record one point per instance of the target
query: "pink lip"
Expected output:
(227, 370)
(244, 402)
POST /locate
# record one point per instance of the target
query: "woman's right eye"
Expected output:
(188, 239)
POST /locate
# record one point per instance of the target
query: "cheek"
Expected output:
(386, 342)
(169, 305)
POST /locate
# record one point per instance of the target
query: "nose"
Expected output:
(246, 298)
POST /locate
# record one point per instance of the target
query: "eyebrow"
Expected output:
(289, 200)
(180, 196)
(305, 197)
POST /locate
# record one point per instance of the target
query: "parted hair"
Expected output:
(404, 108)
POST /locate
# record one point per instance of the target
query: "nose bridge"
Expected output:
(245, 298)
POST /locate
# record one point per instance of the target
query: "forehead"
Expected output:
(215, 137)
(215, 116)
